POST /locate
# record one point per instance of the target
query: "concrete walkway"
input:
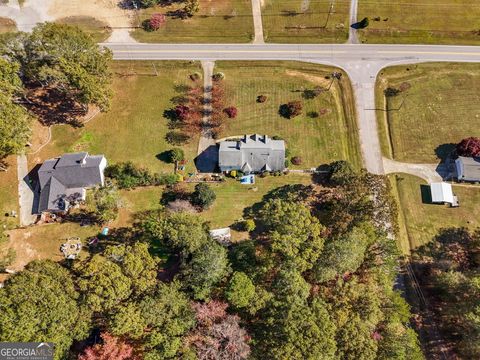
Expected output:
(257, 22)
(428, 172)
(25, 193)
(352, 33)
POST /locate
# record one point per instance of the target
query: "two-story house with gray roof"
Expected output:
(252, 154)
(64, 180)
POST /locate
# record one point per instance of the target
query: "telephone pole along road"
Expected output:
(361, 62)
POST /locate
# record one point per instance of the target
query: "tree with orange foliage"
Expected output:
(110, 348)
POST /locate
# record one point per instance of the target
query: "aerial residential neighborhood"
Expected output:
(239, 179)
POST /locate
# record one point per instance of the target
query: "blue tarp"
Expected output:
(247, 180)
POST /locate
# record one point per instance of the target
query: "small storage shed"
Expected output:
(442, 193)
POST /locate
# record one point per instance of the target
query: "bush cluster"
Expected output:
(128, 176)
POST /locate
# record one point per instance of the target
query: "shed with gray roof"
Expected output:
(252, 154)
(64, 180)
(468, 169)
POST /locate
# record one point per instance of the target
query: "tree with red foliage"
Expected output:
(291, 109)
(111, 348)
(297, 160)
(469, 147)
(182, 112)
(218, 335)
(157, 21)
(231, 112)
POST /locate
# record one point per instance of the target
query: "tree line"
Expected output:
(314, 281)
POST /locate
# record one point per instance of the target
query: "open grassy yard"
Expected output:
(99, 30)
(438, 107)
(221, 21)
(306, 21)
(330, 136)
(134, 129)
(9, 193)
(422, 221)
(233, 197)
(421, 22)
(7, 25)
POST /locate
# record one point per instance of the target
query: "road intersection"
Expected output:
(361, 62)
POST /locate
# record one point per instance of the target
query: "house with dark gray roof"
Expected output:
(468, 168)
(252, 154)
(64, 180)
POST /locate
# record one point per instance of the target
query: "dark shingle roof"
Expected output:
(66, 176)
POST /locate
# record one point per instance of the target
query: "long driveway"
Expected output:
(362, 63)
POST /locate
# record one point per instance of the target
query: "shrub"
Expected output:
(218, 76)
(313, 114)
(291, 109)
(148, 3)
(231, 112)
(203, 196)
(391, 92)
(191, 7)
(157, 21)
(469, 147)
(261, 99)
(277, 137)
(182, 112)
(176, 138)
(287, 163)
(287, 152)
(128, 176)
(195, 76)
(297, 160)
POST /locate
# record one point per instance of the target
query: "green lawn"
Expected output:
(421, 22)
(233, 197)
(7, 25)
(303, 21)
(9, 193)
(422, 221)
(218, 21)
(440, 108)
(134, 129)
(99, 30)
(332, 136)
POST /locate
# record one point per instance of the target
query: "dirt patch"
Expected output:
(51, 106)
(318, 80)
(107, 11)
(7, 25)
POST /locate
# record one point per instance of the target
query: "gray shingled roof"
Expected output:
(254, 153)
(66, 177)
(468, 168)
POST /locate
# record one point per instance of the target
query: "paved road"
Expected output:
(362, 63)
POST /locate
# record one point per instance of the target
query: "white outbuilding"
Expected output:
(442, 193)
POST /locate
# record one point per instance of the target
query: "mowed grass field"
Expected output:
(328, 137)
(218, 21)
(420, 222)
(421, 22)
(233, 197)
(9, 193)
(306, 21)
(438, 107)
(134, 129)
(99, 30)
